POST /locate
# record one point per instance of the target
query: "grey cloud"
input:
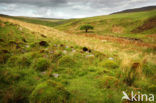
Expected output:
(68, 8)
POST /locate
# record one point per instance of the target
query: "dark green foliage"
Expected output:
(41, 64)
(86, 27)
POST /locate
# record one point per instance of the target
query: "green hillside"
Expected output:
(133, 25)
(136, 25)
(40, 64)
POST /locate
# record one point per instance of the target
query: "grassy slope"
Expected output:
(27, 69)
(118, 25)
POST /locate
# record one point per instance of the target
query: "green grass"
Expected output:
(63, 73)
(118, 25)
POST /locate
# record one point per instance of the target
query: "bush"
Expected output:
(49, 92)
(41, 64)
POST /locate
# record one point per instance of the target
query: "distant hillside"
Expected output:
(132, 25)
(137, 9)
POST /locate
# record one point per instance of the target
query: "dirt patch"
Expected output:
(149, 24)
(117, 29)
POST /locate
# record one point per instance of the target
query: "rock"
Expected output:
(89, 51)
(90, 56)
(51, 52)
(20, 28)
(64, 52)
(55, 45)
(61, 45)
(111, 58)
(43, 43)
(73, 51)
(55, 75)
(85, 49)
(27, 46)
(67, 47)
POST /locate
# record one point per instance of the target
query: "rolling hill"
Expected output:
(137, 25)
(52, 61)
(148, 8)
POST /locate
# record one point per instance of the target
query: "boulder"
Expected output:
(43, 43)
(85, 49)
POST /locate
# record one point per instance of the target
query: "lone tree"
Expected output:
(86, 27)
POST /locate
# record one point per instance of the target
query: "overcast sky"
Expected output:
(68, 8)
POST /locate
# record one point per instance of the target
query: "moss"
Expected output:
(67, 62)
(12, 60)
(25, 60)
(108, 82)
(41, 64)
(109, 64)
(49, 92)
(21, 61)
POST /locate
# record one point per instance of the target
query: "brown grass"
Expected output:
(95, 42)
